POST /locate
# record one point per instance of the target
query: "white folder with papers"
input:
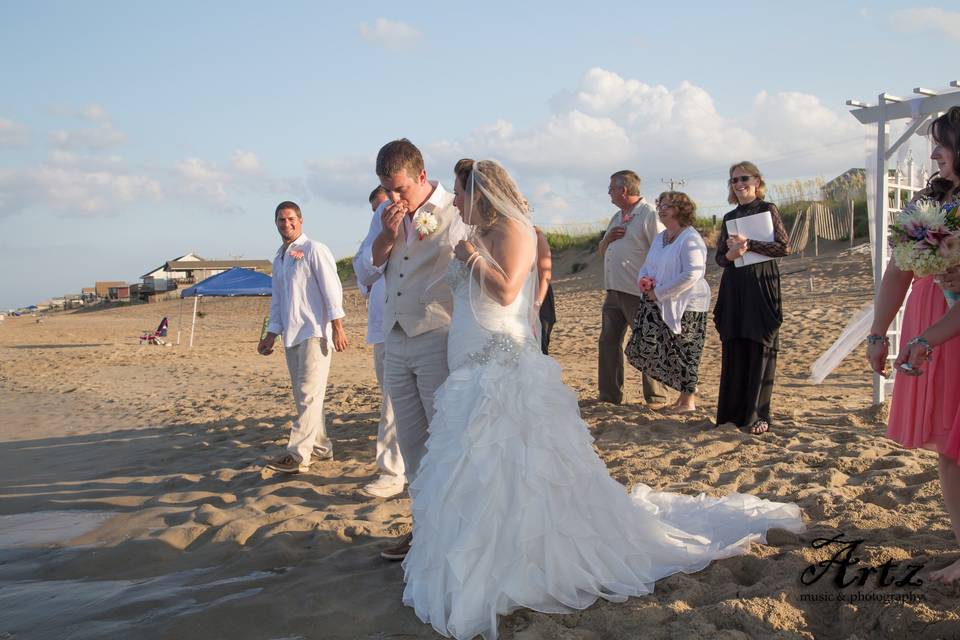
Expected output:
(759, 227)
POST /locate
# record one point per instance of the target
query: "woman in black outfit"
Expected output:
(748, 313)
(545, 303)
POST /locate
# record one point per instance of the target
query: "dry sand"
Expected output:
(133, 503)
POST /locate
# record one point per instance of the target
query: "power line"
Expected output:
(673, 181)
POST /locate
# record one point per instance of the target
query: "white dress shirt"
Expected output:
(307, 294)
(678, 271)
(375, 291)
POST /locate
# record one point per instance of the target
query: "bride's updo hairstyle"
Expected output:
(945, 131)
(495, 191)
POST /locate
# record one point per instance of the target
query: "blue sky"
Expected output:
(134, 132)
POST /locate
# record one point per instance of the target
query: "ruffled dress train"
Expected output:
(513, 507)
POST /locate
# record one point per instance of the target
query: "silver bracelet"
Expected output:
(876, 338)
(923, 343)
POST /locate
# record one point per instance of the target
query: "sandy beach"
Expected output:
(133, 503)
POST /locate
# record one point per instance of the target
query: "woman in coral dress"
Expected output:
(925, 409)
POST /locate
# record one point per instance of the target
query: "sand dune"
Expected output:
(133, 502)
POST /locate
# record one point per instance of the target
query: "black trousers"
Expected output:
(545, 329)
(746, 382)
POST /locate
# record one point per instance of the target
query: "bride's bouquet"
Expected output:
(926, 239)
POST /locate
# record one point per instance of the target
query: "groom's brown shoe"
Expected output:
(399, 550)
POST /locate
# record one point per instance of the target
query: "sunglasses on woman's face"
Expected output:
(736, 179)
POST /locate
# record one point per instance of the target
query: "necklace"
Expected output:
(668, 240)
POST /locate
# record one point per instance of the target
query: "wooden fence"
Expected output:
(821, 221)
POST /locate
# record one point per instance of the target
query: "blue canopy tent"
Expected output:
(233, 282)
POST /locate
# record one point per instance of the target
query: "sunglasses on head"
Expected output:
(737, 179)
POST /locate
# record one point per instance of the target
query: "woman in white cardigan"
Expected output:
(670, 325)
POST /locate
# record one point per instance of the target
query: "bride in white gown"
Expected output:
(512, 506)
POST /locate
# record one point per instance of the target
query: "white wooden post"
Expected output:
(853, 229)
(196, 299)
(179, 321)
(815, 212)
(880, 222)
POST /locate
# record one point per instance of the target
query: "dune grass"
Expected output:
(562, 240)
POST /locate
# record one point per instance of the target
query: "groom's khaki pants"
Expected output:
(309, 364)
(413, 370)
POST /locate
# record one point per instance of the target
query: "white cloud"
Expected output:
(12, 133)
(198, 178)
(571, 141)
(77, 178)
(392, 34)
(61, 158)
(74, 191)
(223, 189)
(610, 122)
(102, 136)
(94, 112)
(927, 19)
(83, 175)
(796, 129)
(246, 162)
(547, 198)
(345, 181)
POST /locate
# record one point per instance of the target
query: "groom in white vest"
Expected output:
(413, 246)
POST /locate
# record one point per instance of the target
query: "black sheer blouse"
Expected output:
(775, 249)
(748, 301)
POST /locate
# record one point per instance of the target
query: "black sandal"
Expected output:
(759, 427)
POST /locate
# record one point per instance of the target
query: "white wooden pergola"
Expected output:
(921, 110)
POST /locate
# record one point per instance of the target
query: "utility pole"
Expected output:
(679, 182)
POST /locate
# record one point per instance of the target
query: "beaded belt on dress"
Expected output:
(502, 348)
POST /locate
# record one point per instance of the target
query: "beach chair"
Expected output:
(156, 337)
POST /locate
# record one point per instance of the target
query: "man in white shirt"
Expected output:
(307, 308)
(624, 249)
(418, 302)
(371, 284)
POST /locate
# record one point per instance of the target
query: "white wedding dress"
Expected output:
(513, 508)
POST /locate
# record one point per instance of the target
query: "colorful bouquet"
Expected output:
(926, 239)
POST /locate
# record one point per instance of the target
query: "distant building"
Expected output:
(119, 293)
(163, 282)
(103, 290)
(198, 270)
(164, 279)
(72, 300)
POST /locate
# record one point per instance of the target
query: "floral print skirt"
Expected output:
(673, 359)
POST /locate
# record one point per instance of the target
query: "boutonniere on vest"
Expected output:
(425, 223)
(296, 254)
